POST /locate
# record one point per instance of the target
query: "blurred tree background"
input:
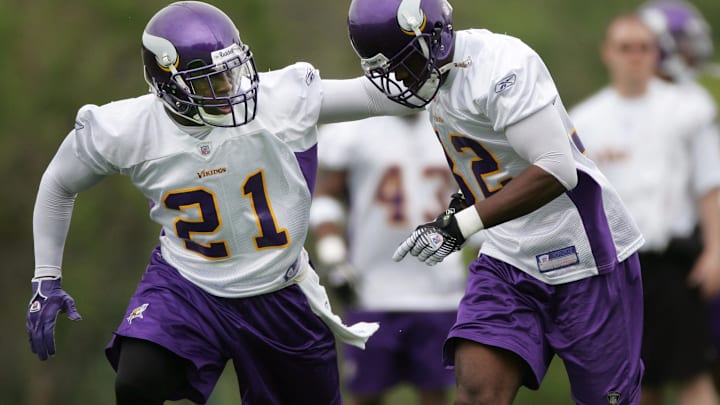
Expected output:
(57, 56)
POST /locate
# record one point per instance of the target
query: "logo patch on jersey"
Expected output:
(137, 313)
(211, 172)
(292, 271)
(438, 118)
(35, 306)
(505, 83)
(204, 148)
(557, 259)
(613, 397)
(309, 76)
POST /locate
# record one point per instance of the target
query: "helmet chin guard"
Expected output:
(196, 63)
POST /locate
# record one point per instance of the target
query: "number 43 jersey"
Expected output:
(233, 203)
(499, 82)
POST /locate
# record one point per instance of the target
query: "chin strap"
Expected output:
(428, 88)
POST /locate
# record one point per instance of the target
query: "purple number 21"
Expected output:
(210, 220)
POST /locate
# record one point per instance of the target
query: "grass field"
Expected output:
(555, 390)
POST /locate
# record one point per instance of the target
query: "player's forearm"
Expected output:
(527, 192)
(63, 179)
(354, 99)
(709, 207)
(51, 222)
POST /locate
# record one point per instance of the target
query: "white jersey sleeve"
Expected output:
(63, 179)
(354, 99)
(520, 84)
(700, 110)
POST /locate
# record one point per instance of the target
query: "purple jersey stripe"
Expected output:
(587, 197)
(308, 161)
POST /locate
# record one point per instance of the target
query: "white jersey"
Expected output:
(397, 178)
(233, 203)
(661, 151)
(501, 81)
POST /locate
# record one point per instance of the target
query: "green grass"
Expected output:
(554, 390)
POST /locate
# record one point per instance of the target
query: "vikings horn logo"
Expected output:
(137, 313)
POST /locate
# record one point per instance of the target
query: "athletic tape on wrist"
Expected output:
(469, 221)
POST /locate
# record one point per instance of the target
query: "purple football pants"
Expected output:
(282, 352)
(594, 325)
(407, 348)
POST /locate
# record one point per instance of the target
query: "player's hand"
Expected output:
(341, 280)
(434, 241)
(705, 274)
(47, 301)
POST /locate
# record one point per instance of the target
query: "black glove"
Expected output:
(458, 202)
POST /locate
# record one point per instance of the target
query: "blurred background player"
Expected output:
(685, 41)
(664, 136)
(378, 178)
(683, 36)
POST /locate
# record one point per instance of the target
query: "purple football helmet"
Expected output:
(196, 63)
(683, 36)
(410, 37)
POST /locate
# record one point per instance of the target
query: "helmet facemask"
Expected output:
(422, 76)
(222, 94)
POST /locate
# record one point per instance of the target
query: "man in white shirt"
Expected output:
(658, 145)
(558, 272)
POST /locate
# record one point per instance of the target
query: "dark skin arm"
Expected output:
(527, 192)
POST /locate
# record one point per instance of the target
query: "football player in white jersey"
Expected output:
(558, 272)
(378, 178)
(665, 135)
(227, 158)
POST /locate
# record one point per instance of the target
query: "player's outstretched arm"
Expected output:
(354, 99)
(62, 180)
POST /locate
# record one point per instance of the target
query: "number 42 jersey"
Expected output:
(500, 81)
(233, 203)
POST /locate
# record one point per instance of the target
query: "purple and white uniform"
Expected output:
(540, 276)
(233, 204)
